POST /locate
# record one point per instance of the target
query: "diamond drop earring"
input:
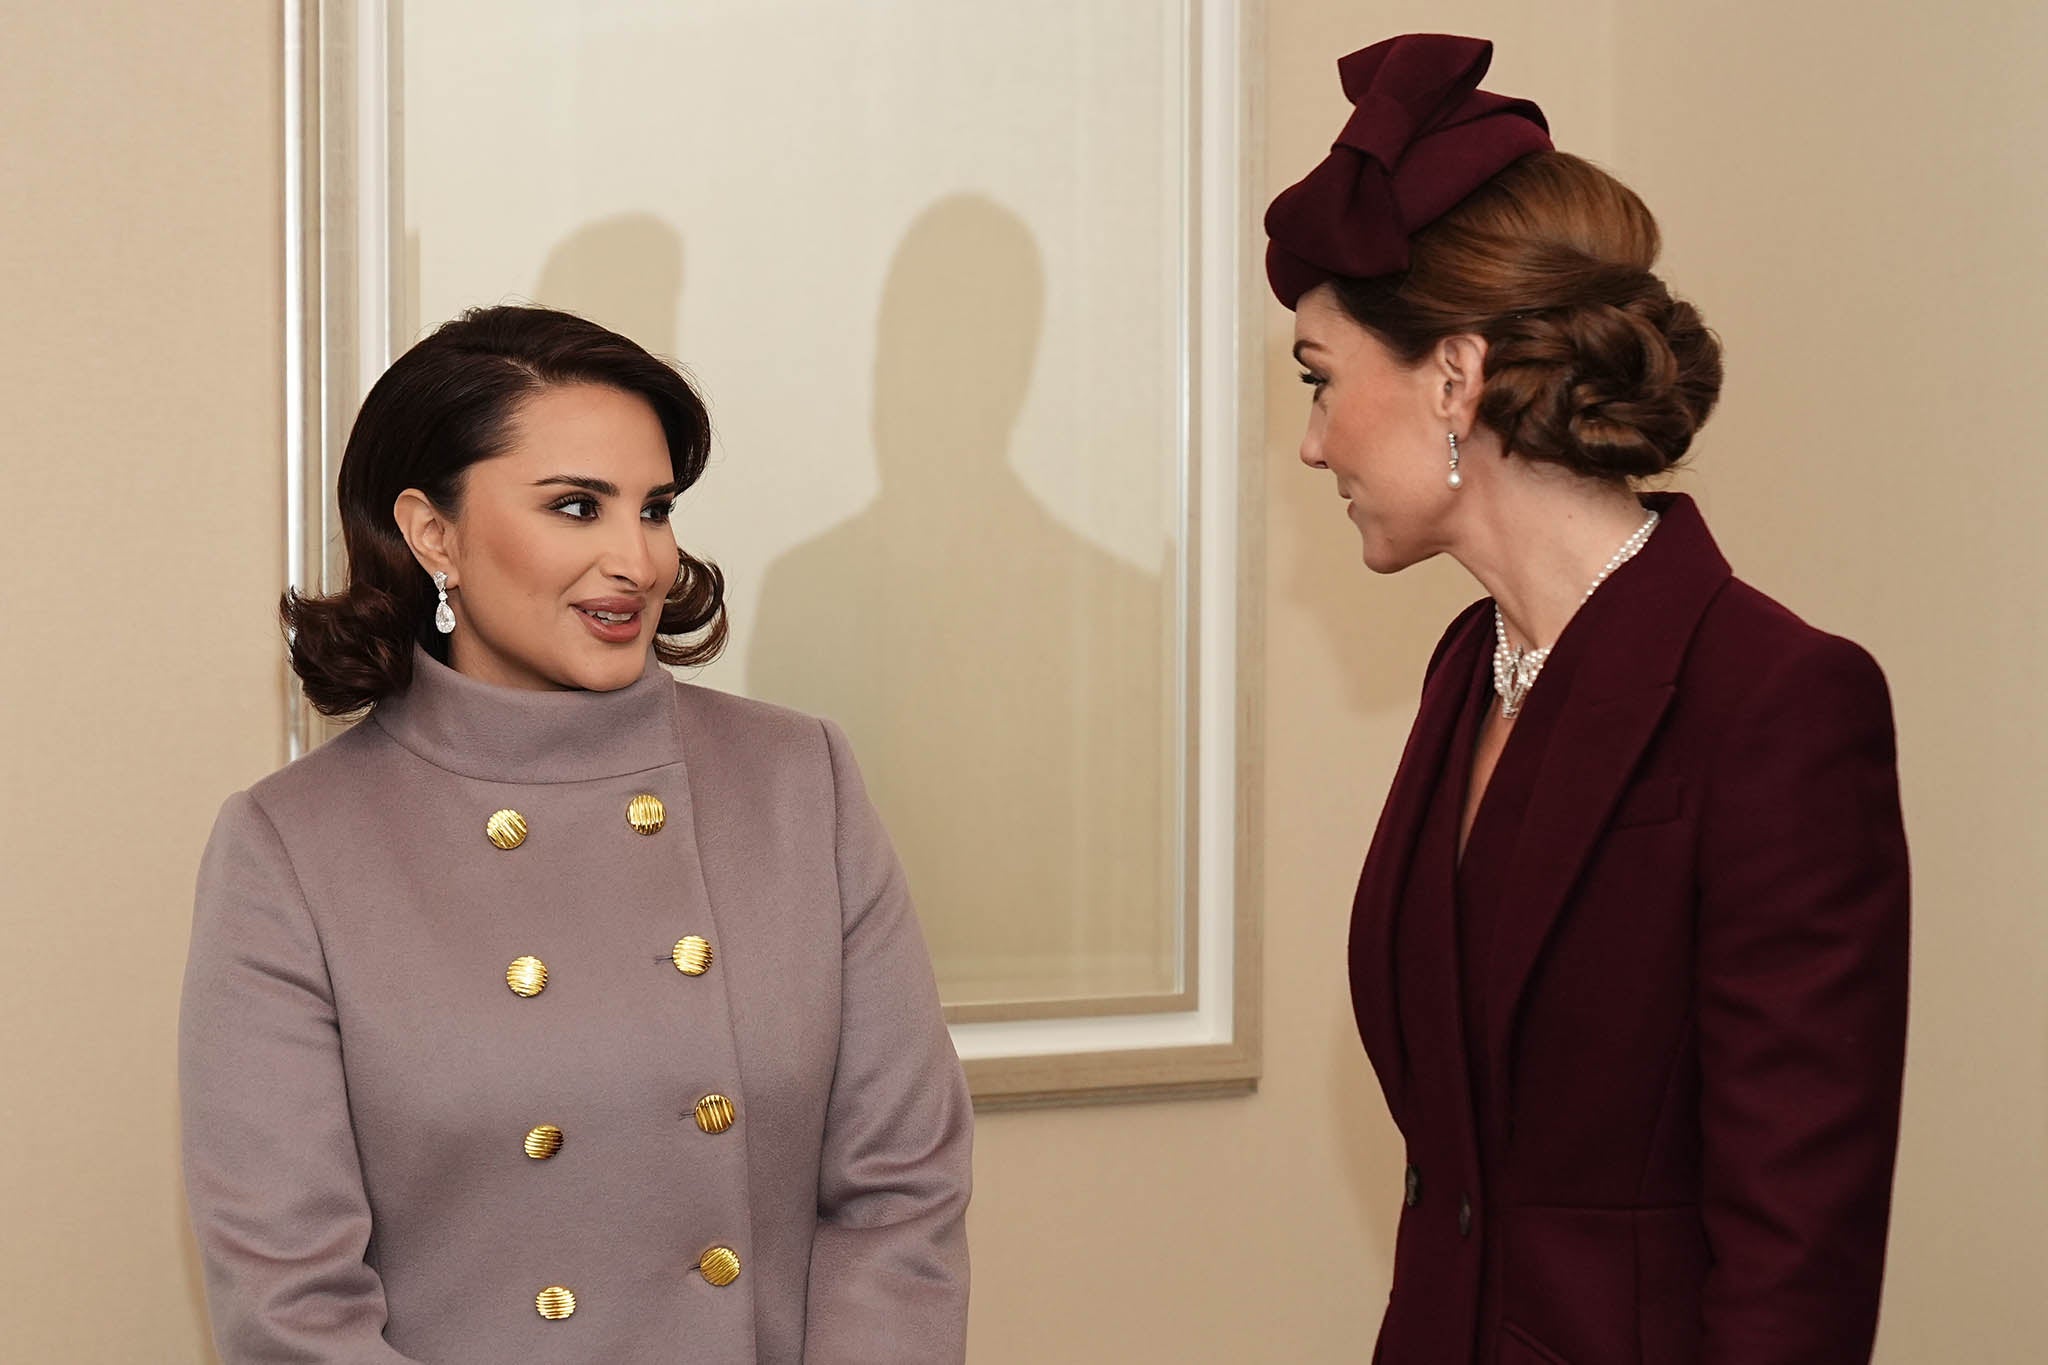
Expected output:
(444, 616)
(1456, 480)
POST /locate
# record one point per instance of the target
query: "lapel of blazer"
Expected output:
(1375, 982)
(1631, 641)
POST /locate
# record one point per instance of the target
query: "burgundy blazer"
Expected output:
(1695, 995)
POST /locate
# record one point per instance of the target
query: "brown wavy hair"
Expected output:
(443, 406)
(1591, 363)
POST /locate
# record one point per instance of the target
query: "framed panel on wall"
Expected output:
(970, 290)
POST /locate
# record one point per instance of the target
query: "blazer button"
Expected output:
(527, 976)
(692, 955)
(646, 814)
(543, 1142)
(1465, 1215)
(1411, 1187)
(506, 829)
(554, 1303)
(720, 1265)
(715, 1113)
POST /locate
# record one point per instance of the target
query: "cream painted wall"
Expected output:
(1871, 271)
(140, 676)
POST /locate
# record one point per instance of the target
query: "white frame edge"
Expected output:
(1212, 395)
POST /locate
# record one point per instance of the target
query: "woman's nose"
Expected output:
(1312, 451)
(632, 560)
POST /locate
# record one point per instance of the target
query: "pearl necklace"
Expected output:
(1515, 670)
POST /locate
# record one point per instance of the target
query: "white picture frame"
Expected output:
(347, 319)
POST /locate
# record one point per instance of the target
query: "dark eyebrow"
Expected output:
(604, 488)
(1305, 344)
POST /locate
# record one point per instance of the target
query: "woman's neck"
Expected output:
(1536, 538)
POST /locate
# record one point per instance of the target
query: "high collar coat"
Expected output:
(360, 1079)
(1693, 1000)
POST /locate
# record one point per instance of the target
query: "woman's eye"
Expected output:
(658, 511)
(580, 508)
(1313, 380)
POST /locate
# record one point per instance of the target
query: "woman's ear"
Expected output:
(428, 531)
(1460, 368)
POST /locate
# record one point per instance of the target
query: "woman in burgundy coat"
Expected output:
(1629, 950)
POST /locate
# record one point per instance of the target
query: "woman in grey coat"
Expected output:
(558, 1011)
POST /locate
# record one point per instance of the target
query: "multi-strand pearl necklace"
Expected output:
(1515, 670)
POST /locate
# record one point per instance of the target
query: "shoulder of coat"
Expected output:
(745, 722)
(1750, 643)
(338, 761)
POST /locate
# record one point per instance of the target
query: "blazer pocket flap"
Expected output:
(1517, 1347)
(1650, 802)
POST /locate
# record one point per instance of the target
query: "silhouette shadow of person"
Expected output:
(1006, 682)
(625, 272)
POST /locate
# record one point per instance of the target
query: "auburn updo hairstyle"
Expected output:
(1590, 362)
(443, 406)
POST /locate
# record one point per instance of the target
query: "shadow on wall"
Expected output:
(625, 272)
(1004, 681)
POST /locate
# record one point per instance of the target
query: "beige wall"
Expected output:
(1874, 271)
(140, 680)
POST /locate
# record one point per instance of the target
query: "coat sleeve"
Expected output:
(888, 1278)
(271, 1173)
(1802, 1013)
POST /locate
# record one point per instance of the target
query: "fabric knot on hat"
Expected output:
(1421, 136)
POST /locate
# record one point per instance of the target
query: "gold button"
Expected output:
(692, 955)
(527, 976)
(543, 1142)
(506, 829)
(555, 1303)
(721, 1265)
(715, 1113)
(646, 814)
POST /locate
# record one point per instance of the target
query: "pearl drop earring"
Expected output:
(444, 616)
(1456, 480)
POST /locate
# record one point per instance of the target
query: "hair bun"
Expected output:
(1614, 386)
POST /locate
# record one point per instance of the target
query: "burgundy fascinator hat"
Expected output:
(1422, 135)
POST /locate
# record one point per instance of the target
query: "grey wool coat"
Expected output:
(400, 1145)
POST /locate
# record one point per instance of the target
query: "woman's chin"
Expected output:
(612, 674)
(1377, 554)
(1383, 556)
(594, 667)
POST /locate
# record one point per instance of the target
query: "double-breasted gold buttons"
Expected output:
(527, 976)
(543, 1141)
(646, 814)
(555, 1303)
(715, 1113)
(720, 1265)
(506, 829)
(692, 955)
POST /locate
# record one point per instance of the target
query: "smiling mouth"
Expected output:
(618, 625)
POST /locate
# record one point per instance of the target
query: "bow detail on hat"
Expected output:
(1422, 135)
